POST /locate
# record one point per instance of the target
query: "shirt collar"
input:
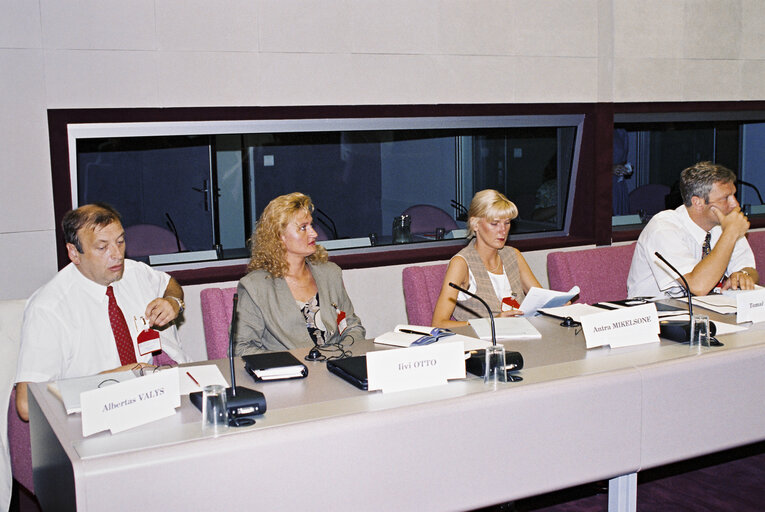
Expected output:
(696, 231)
(92, 288)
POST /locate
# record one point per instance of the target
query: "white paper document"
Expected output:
(508, 328)
(194, 378)
(69, 390)
(399, 338)
(542, 298)
(723, 304)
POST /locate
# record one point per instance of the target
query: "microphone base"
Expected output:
(476, 364)
(680, 331)
(242, 407)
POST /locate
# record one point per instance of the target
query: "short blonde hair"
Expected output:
(489, 204)
(267, 249)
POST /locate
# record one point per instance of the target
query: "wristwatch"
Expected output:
(181, 304)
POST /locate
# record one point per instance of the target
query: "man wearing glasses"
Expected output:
(94, 315)
(704, 239)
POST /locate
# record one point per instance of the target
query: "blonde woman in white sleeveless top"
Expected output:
(486, 267)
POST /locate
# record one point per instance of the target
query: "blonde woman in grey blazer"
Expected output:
(293, 296)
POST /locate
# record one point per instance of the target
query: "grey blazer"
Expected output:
(269, 318)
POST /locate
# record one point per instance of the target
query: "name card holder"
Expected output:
(623, 327)
(128, 404)
(415, 367)
(750, 306)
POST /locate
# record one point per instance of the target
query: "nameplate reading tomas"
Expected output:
(128, 404)
(415, 367)
(622, 327)
(750, 306)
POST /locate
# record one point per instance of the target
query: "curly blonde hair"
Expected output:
(267, 249)
(489, 204)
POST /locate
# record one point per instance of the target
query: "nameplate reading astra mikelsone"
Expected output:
(750, 306)
(415, 367)
(118, 407)
(622, 327)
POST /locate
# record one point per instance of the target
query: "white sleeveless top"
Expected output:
(498, 281)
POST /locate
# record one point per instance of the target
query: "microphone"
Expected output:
(676, 330)
(172, 227)
(476, 364)
(491, 315)
(746, 183)
(333, 228)
(242, 403)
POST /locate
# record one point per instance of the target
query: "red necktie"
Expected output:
(120, 330)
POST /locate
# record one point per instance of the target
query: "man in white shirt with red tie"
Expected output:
(90, 317)
(704, 239)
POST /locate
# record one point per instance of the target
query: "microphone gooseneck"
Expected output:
(491, 315)
(687, 288)
(231, 332)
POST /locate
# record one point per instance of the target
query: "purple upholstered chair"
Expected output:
(15, 451)
(20, 447)
(757, 242)
(422, 285)
(217, 308)
(147, 239)
(600, 273)
(426, 218)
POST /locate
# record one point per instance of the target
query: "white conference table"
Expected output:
(578, 416)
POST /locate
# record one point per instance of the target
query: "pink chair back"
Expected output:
(217, 309)
(600, 273)
(422, 285)
(757, 243)
(426, 218)
(146, 239)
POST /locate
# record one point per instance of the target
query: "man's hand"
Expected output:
(740, 280)
(162, 311)
(735, 222)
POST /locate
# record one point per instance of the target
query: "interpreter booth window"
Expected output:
(194, 191)
(650, 155)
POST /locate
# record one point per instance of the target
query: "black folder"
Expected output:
(352, 369)
(274, 366)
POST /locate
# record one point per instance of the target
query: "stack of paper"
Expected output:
(508, 328)
(409, 335)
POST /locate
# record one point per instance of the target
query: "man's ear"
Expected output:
(697, 201)
(73, 253)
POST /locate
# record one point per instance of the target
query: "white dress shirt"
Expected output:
(675, 236)
(66, 330)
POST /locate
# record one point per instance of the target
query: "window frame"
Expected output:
(589, 194)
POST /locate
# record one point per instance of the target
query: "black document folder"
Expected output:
(352, 369)
(274, 366)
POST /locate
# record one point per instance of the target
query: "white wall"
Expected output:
(169, 53)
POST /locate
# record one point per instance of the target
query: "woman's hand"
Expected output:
(511, 312)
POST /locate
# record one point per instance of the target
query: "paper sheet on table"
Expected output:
(507, 328)
(722, 327)
(205, 374)
(723, 304)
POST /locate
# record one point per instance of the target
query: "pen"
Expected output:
(192, 378)
(409, 331)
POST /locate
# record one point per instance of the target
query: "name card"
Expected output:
(750, 306)
(415, 367)
(128, 404)
(622, 327)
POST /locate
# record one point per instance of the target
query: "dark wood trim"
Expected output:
(591, 214)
